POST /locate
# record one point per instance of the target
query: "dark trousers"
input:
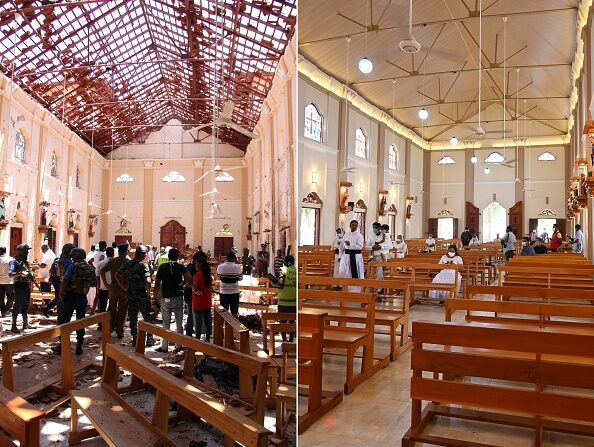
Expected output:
(56, 301)
(288, 309)
(8, 291)
(230, 302)
(189, 329)
(103, 296)
(75, 302)
(138, 304)
(509, 254)
(203, 316)
(22, 296)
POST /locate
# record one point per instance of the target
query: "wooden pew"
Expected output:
(395, 319)
(230, 333)
(559, 357)
(269, 294)
(538, 314)
(547, 295)
(268, 318)
(310, 366)
(119, 424)
(68, 368)
(348, 338)
(551, 277)
(19, 420)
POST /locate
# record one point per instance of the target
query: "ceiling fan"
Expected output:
(410, 45)
(221, 175)
(224, 120)
(214, 191)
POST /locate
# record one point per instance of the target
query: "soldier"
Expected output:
(21, 274)
(134, 277)
(118, 299)
(77, 281)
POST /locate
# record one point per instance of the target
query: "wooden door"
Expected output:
(51, 239)
(123, 238)
(75, 239)
(515, 219)
(562, 225)
(456, 234)
(472, 218)
(16, 238)
(173, 234)
(222, 245)
(432, 226)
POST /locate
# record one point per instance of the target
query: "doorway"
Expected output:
(123, 238)
(173, 234)
(494, 222)
(75, 239)
(222, 245)
(16, 238)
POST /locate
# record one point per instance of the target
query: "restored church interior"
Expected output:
(147, 158)
(445, 288)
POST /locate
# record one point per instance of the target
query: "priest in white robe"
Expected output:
(351, 263)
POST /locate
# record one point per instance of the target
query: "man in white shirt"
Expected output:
(378, 245)
(338, 250)
(103, 285)
(577, 242)
(91, 255)
(47, 258)
(351, 264)
(386, 250)
(230, 273)
(430, 243)
(6, 287)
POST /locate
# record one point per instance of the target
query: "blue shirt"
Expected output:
(16, 266)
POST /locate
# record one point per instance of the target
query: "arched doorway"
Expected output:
(173, 234)
(494, 222)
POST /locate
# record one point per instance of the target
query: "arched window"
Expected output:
(174, 176)
(19, 147)
(447, 160)
(54, 165)
(393, 162)
(77, 177)
(360, 143)
(313, 123)
(546, 156)
(124, 178)
(495, 157)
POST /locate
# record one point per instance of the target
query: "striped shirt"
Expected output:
(230, 274)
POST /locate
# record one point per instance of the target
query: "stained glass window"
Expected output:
(360, 143)
(313, 123)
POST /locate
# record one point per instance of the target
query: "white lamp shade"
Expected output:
(473, 159)
(423, 114)
(365, 66)
(487, 171)
(453, 141)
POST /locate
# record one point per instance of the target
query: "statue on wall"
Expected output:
(52, 222)
(2, 209)
(70, 222)
(383, 203)
(77, 223)
(43, 221)
(249, 228)
(409, 210)
(583, 185)
(345, 198)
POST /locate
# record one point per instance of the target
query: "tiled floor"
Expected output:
(378, 412)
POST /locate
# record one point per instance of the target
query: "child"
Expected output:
(202, 297)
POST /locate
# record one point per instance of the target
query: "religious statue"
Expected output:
(43, 216)
(123, 223)
(383, 203)
(52, 222)
(70, 222)
(408, 210)
(2, 209)
(583, 184)
(249, 229)
(345, 198)
(77, 223)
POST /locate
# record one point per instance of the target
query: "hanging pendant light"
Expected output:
(454, 141)
(487, 171)
(365, 65)
(423, 114)
(473, 159)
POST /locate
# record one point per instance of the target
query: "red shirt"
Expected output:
(204, 301)
(555, 242)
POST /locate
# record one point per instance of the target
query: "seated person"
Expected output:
(429, 244)
(448, 276)
(527, 250)
(474, 241)
(539, 248)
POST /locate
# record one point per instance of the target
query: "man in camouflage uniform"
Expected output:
(134, 277)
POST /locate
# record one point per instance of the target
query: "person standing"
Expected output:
(577, 242)
(388, 242)
(202, 296)
(556, 238)
(104, 283)
(229, 272)
(191, 268)
(247, 262)
(377, 243)
(351, 264)
(172, 276)
(508, 243)
(338, 250)
(118, 298)
(287, 293)
(278, 262)
(6, 286)
(20, 272)
(78, 279)
(263, 258)
(57, 271)
(134, 277)
(47, 258)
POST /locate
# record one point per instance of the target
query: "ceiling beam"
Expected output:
(532, 98)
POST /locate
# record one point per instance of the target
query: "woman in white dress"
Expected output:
(448, 276)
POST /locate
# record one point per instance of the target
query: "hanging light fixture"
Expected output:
(454, 141)
(423, 114)
(473, 159)
(365, 65)
(487, 171)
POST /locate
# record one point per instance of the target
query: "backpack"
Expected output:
(82, 278)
